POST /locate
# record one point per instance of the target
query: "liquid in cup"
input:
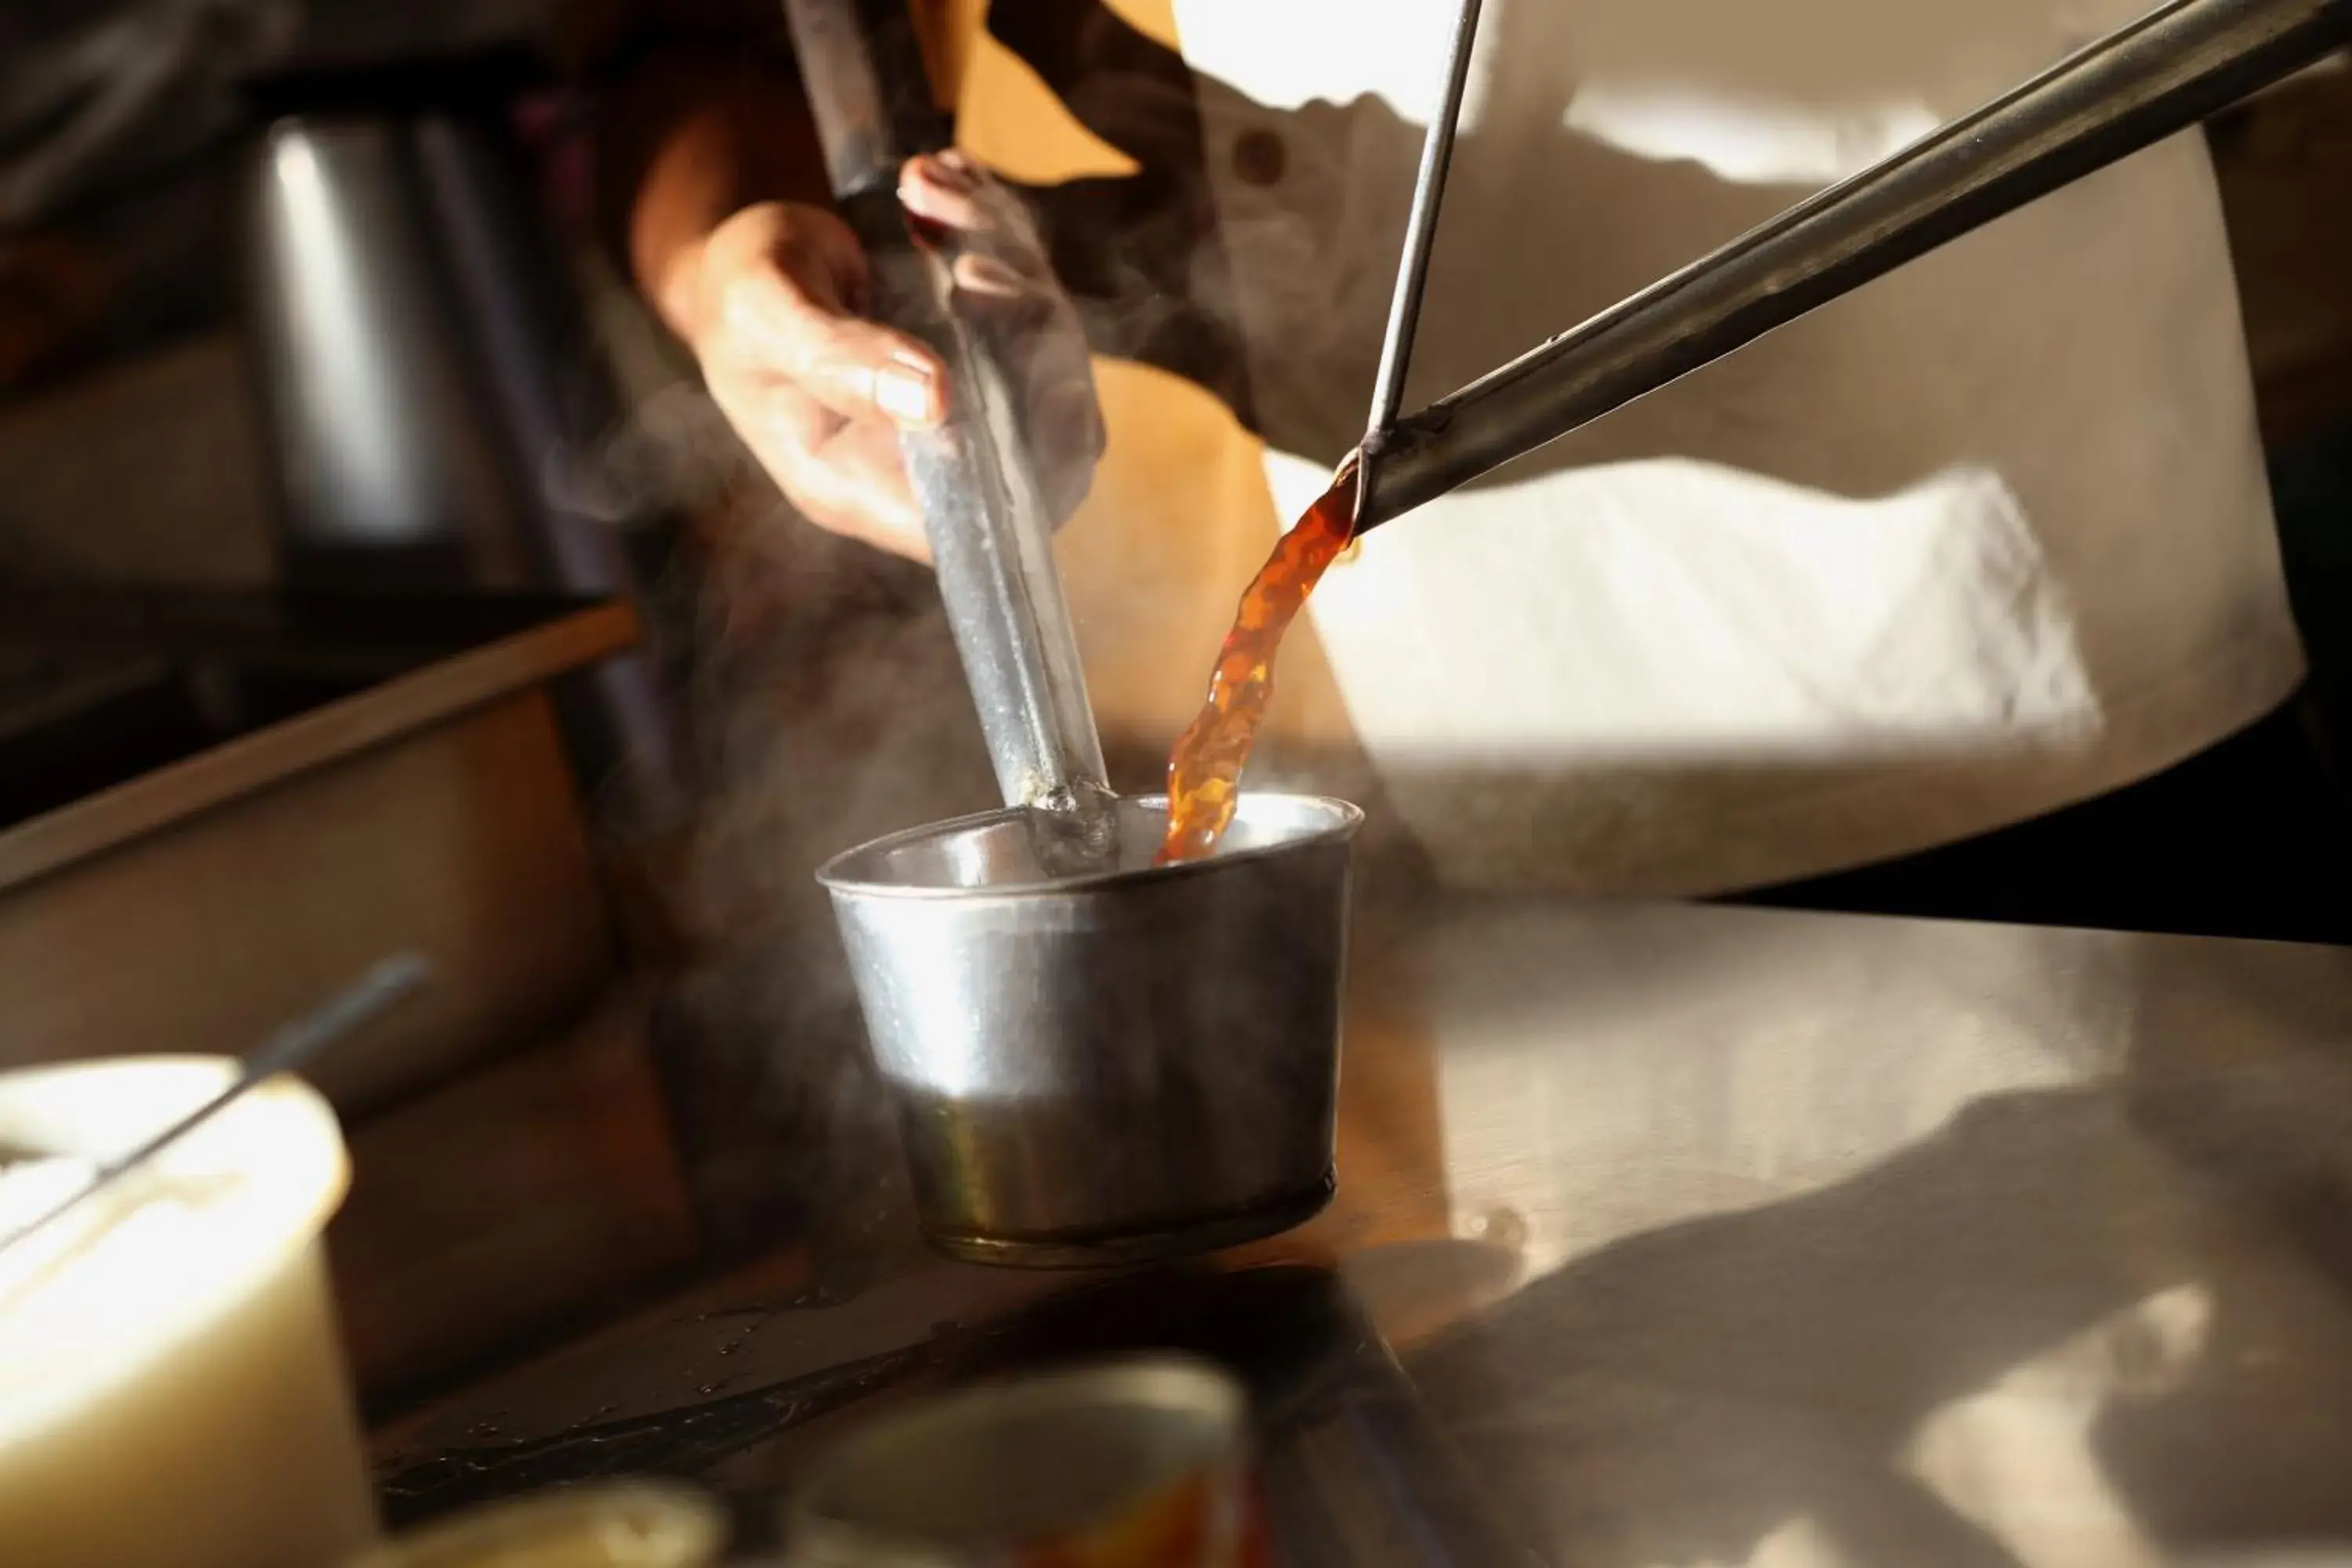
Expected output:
(173, 1388)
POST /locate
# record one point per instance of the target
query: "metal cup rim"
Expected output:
(1348, 818)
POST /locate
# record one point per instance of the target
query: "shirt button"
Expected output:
(1259, 157)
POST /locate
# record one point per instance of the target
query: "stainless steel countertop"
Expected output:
(1712, 1235)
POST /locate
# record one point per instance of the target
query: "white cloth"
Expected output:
(1985, 538)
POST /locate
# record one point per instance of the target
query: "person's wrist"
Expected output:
(683, 293)
(696, 290)
(692, 294)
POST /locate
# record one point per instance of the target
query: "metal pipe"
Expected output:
(983, 510)
(2156, 76)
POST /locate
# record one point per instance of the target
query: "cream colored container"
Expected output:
(171, 1388)
(628, 1525)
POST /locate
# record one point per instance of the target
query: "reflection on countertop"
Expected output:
(1701, 1234)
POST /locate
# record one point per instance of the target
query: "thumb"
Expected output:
(855, 368)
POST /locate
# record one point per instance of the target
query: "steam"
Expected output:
(824, 706)
(831, 710)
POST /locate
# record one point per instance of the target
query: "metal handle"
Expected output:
(983, 510)
(2156, 76)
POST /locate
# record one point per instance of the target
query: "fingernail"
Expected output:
(987, 275)
(956, 176)
(904, 394)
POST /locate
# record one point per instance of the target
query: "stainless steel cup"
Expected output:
(1141, 1463)
(1131, 1064)
(1096, 1060)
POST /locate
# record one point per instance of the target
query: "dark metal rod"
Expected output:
(2159, 75)
(1420, 234)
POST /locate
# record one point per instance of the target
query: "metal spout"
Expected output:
(2148, 80)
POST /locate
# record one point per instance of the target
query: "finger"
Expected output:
(822, 256)
(855, 368)
(987, 277)
(857, 485)
(946, 189)
(951, 192)
(1006, 302)
(844, 477)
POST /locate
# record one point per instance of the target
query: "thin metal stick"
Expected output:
(292, 1045)
(1419, 236)
(2150, 78)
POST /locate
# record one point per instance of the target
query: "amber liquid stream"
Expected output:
(1204, 770)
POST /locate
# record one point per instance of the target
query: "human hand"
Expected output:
(774, 313)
